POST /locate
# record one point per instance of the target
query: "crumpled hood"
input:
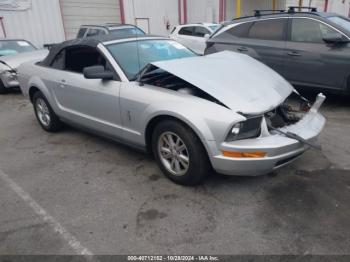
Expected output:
(238, 81)
(14, 61)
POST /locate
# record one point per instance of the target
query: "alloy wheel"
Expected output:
(173, 153)
(43, 112)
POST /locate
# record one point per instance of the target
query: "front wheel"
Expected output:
(180, 153)
(47, 118)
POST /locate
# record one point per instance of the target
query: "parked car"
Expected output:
(156, 95)
(12, 54)
(15, 46)
(120, 30)
(193, 36)
(310, 49)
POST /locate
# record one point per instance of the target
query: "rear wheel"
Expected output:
(180, 153)
(3, 90)
(47, 118)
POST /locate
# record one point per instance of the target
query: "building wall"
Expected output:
(75, 13)
(40, 24)
(202, 11)
(314, 3)
(157, 13)
(248, 6)
(341, 7)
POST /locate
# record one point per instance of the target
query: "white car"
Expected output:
(193, 36)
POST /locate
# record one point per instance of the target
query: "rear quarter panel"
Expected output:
(33, 75)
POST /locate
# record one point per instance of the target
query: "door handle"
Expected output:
(294, 53)
(242, 49)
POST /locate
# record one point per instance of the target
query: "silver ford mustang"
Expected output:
(224, 111)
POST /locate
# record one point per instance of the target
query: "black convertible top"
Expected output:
(88, 41)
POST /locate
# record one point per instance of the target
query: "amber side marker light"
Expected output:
(243, 154)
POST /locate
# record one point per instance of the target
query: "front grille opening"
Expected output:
(288, 113)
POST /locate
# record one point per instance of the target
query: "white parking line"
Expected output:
(56, 226)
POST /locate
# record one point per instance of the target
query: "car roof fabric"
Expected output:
(88, 41)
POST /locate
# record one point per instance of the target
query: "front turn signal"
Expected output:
(243, 154)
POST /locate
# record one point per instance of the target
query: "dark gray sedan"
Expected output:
(310, 49)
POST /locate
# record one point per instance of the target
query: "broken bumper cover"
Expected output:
(9, 79)
(280, 150)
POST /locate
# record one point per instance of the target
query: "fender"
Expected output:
(211, 129)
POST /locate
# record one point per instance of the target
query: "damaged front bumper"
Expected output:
(278, 149)
(9, 78)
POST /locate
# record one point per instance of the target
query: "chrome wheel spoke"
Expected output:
(184, 160)
(177, 166)
(166, 152)
(181, 147)
(177, 142)
(47, 117)
(166, 141)
(40, 107)
(170, 139)
(172, 163)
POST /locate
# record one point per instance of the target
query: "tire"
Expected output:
(3, 90)
(198, 164)
(52, 123)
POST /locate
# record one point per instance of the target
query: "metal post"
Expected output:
(325, 5)
(238, 8)
(122, 14)
(224, 12)
(300, 4)
(185, 11)
(179, 11)
(273, 5)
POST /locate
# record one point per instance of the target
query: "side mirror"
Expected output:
(206, 36)
(97, 72)
(335, 38)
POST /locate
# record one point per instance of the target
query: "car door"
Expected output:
(266, 42)
(310, 61)
(198, 42)
(185, 36)
(263, 40)
(92, 103)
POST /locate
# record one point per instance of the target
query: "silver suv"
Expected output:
(119, 30)
(310, 49)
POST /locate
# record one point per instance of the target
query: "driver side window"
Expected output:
(200, 31)
(75, 59)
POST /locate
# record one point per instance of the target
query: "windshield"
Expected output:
(342, 22)
(126, 32)
(132, 56)
(12, 47)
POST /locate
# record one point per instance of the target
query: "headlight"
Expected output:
(247, 129)
(9, 75)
